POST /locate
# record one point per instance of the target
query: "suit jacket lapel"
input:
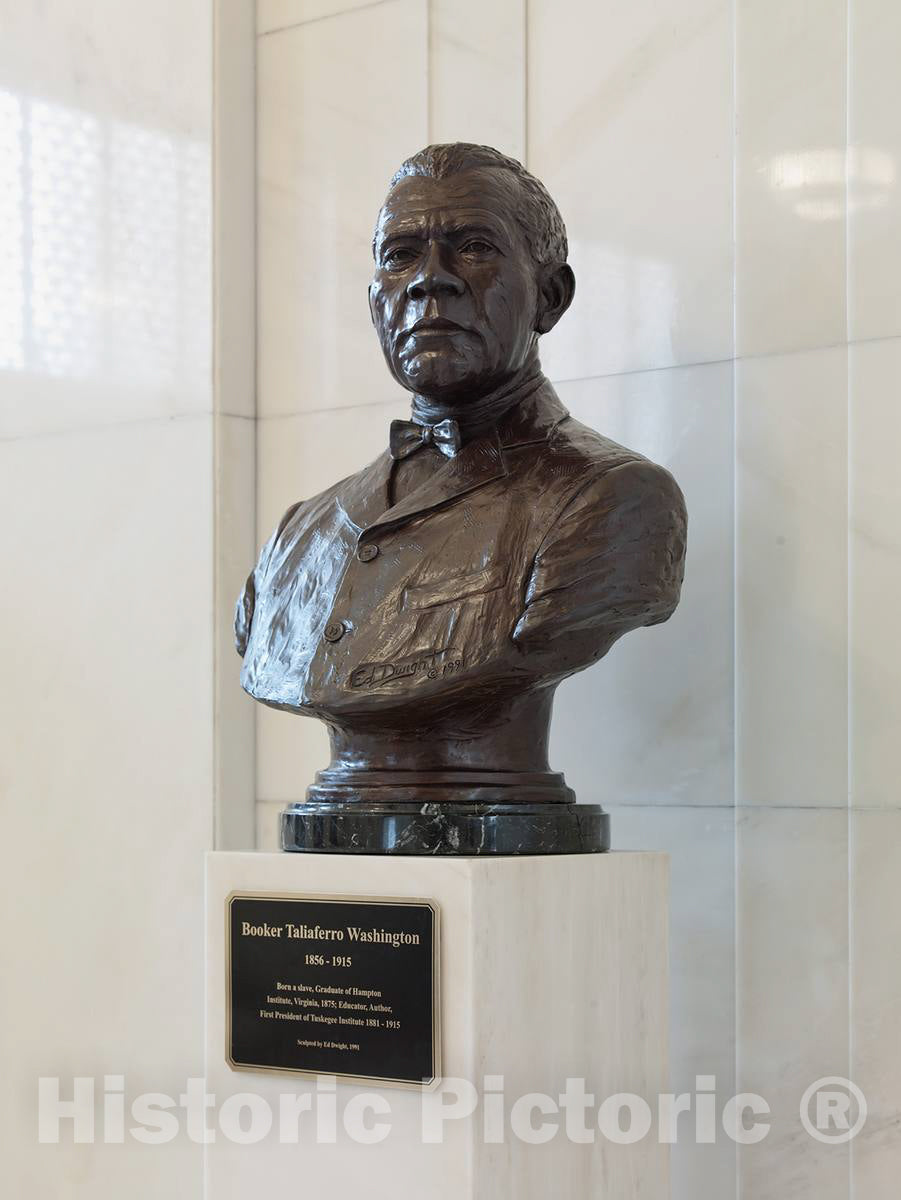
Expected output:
(476, 464)
(365, 497)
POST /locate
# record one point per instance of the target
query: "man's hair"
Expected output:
(536, 211)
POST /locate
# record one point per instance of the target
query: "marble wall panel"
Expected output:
(477, 85)
(876, 1001)
(274, 16)
(150, 67)
(792, 579)
(234, 386)
(235, 546)
(106, 740)
(874, 169)
(701, 845)
(792, 991)
(104, 214)
(790, 203)
(630, 127)
(875, 573)
(107, 734)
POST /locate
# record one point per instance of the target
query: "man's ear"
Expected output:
(371, 305)
(556, 288)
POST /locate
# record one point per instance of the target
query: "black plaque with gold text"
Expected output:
(333, 986)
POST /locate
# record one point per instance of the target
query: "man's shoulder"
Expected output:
(576, 458)
(571, 440)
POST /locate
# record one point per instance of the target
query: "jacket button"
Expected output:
(334, 631)
(368, 552)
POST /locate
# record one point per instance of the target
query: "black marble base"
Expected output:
(448, 828)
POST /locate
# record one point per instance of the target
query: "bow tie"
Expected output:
(409, 436)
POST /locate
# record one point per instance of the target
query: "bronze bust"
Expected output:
(427, 606)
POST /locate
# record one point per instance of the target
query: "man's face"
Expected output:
(455, 290)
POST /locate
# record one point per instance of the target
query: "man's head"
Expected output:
(470, 268)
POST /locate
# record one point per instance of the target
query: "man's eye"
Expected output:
(477, 246)
(399, 256)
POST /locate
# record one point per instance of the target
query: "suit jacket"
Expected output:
(519, 562)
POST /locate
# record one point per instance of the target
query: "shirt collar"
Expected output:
(477, 418)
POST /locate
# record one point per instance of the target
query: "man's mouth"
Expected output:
(435, 325)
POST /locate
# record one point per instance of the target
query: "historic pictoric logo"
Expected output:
(433, 664)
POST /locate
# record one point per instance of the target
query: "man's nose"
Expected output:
(434, 277)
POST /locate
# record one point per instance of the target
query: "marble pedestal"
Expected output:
(552, 968)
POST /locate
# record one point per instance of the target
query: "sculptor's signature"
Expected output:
(430, 663)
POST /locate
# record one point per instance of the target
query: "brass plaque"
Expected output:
(325, 985)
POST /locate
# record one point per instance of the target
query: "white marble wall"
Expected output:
(119, 464)
(729, 173)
